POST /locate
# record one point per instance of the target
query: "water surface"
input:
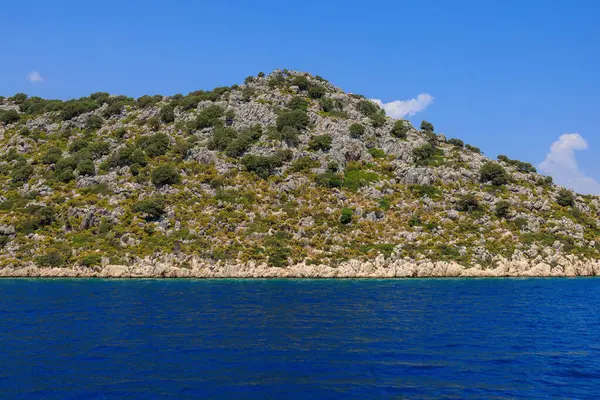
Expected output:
(299, 339)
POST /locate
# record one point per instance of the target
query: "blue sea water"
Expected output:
(300, 339)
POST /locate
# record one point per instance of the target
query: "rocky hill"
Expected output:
(285, 175)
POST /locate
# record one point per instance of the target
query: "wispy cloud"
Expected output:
(405, 108)
(35, 77)
(561, 164)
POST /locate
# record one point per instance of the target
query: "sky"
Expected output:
(518, 78)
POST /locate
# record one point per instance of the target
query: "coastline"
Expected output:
(172, 267)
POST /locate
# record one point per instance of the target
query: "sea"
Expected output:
(300, 339)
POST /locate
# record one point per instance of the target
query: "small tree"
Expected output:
(367, 108)
(400, 130)
(94, 123)
(153, 208)
(301, 82)
(565, 198)
(378, 119)
(320, 142)
(427, 126)
(467, 203)
(356, 130)
(346, 216)
(9, 116)
(167, 114)
(502, 209)
(295, 118)
(165, 175)
(316, 92)
(423, 153)
(456, 142)
(494, 173)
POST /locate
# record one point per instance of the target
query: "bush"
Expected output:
(261, 74)
(376, 153)
(473, 149)
(167, 114)
(427, 126)
(9, 116)
(4, 240)
(378, 120)
(91, 260)
(74, 108)
(301, 82)
(423, 153)
(502, 209)
(209, 116)
(243, 142)
(18, 98)
(354, 179)
(356, 130)
(456, 142)
(295, 119)
(565, 198)
(290, 135)
(94, 123)
(153, 208)
(330, 179)
(304, 164)
(298, 103)
(521, 166)
(52, 259)
(147, 101)
(316, 92)
(467, 203)
(494, 173)
(21, 173)
(154, 145)
(346, 216)
(400, 130)
(165, 175)
(264, 166)
(320, 142)
(367, 108)
(52, 156)
(86, 168)
(221, 138)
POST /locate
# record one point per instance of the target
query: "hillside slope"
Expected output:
(285, 175)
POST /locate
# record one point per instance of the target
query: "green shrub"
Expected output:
(221, 138)
(21, 173)
(456, 142)
(378, 120)
(301, 82)
(261, 74)
(473, 149)
(367, 108)
(244, 141)
(18, 98)
(565, 198)
(320, 142)
(167, 114)
(425, 190)
(346, 216)
(356, 130)
(316, 91)
(74, 108)
(94, 123)
(9, 116)
(147, 101)
(52, 156)
(39, 216)
(298, 103)
(154, 145)
(521, 166)
(467, 203)
(502, 209)
(78, 144)
(4, 240)
(423, 153)
(264, 166)
(52, 259)
(494, 173)
(91, 260)
(400, 130)
(152, 208)
(165, 175)
(290, 135)
(304, 164)
(209, 116)
(376, 153)
(354, 179)
(295, 119)
(427, 126)
(329, 179)
(86, 168)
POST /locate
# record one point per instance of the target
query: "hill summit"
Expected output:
(285, 175)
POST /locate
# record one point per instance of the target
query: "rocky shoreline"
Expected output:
(171, 267)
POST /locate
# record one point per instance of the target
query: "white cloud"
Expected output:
(561, 164)
(35, 77)
(403, 108)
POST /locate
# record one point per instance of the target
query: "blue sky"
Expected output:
(508, 76)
